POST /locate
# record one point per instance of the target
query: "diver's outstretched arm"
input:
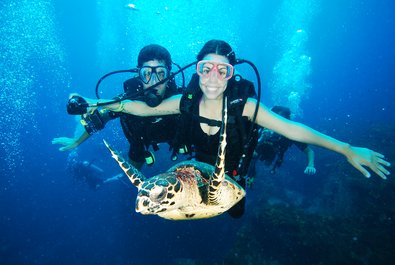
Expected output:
(357, 156)
(70, 143)
(114, 178)
(168, 106)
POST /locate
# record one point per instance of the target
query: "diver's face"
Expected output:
(151, 73)
(214, 72)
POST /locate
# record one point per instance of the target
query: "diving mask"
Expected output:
(146, 72)
(207, 68)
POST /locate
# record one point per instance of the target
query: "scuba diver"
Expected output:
(272, 147)
(87, 172)
(154, 65)
(205, 105)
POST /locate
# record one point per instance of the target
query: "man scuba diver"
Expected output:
(154, 65)
(88, 173)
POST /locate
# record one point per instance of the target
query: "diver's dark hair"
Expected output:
(283, 111)
(154, 52)
(219, 47)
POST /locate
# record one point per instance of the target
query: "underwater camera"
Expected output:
(77, 105)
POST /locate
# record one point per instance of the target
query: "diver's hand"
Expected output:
(68, 143)
(310, 170)
(360, 157)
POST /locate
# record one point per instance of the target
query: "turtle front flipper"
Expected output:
(219, 173)
(135, 176)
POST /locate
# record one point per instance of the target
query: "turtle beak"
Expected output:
(144, 206)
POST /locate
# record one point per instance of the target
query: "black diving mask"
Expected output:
(146, 72)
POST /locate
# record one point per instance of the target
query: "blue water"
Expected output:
(332, 62)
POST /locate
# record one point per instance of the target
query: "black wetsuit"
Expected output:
(142, 132)
(84, 172)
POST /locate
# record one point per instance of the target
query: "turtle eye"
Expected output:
(158, 193)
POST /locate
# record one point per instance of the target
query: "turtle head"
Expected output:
(158, 194)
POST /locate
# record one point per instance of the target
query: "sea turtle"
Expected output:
(188, 190)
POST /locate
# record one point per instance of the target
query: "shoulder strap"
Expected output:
(238, 91)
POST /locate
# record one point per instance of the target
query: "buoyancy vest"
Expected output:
(143, 132)
(239, 139)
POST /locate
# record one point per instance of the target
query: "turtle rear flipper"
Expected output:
(135, 176)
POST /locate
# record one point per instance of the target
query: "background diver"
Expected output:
(86, 172)
(272, 147)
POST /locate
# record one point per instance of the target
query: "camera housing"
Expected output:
(93, 122)
(77, 105)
